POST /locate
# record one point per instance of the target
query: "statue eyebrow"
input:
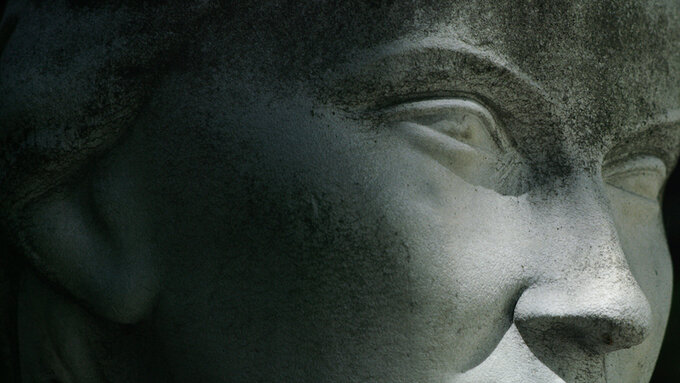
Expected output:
(659, 136)
(665, 127)
(437, 67)
(662, 124)
(670, 117)
(463, 52)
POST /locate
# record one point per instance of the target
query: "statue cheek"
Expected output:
(642, 238)
(466, 261)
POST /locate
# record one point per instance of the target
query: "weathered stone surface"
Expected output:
(317, 191)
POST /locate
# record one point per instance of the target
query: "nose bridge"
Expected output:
(582, 288)
(575, 232)
(579, 230)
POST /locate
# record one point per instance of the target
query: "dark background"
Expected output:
(668, 366)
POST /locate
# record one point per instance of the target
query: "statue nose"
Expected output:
(601, 315)
(582, 292)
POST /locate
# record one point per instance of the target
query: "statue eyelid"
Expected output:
(460, 134)
(642, 175)
(464, 120)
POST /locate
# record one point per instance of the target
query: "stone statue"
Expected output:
(336, 191)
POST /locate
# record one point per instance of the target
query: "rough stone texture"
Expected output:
(318, 191)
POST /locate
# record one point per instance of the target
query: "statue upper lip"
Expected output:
(515, 360)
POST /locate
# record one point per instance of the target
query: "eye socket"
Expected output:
(466, 121)
(642, 175)
(461, 135)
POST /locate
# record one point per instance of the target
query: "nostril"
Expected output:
(595, 333)
(597, 322)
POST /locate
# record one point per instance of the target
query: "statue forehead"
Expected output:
(626, 35)
(613, 63)
(609, 65)
(521, 28)
(599, 49)
(607, 60)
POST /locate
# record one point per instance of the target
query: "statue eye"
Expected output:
(461, 135)
(465, 121)
(643, 176)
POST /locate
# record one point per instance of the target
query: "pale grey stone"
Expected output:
(324, 191)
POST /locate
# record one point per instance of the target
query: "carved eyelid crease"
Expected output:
(635, 164)
(447, 116)
(628, 175)
(463, 136)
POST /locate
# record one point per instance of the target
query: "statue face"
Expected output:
(406, 192)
